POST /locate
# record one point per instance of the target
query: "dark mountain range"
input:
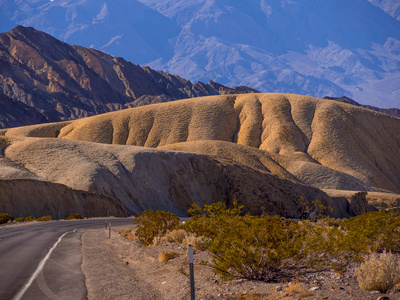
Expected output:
(45, 80)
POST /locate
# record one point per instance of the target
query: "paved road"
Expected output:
(22, 248)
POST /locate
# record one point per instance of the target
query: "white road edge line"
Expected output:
(39, 268)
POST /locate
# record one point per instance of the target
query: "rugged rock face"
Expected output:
(264, 150)
(43, 79)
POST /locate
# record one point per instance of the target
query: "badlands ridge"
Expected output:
(264, 150)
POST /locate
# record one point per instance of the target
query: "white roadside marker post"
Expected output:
(190, 252)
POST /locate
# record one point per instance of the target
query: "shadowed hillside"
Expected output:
(38, 198)
(265, 150)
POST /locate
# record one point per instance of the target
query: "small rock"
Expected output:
(127, 263)
(375, 292)
(315, 288)
(279, 288)
(341, 288)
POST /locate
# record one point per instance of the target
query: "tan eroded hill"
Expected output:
(323, 143)
(142, 178)
(265, 150)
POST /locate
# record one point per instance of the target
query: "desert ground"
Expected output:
(120, 268)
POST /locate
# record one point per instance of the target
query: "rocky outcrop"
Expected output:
(45, 80)
(358, 204)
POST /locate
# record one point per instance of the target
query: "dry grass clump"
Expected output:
(199, 243)
(164, 256)
(127, 233)
(45, 218)
(306, 295)
(252, 296)
(295, 287)
(177, 236)
(379, 272)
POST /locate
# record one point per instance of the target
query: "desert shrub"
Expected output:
(29, 219)
(373, 232)
(379, 272)
(176, 235)
(19, 220)
(75, 216)
(4, 218)
(45, 218)
(270, 247)
(257, 248)
(164, 256)
(151, 224)
(199, 243)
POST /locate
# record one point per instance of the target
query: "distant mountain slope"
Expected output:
(43, 79)
(392, 7)
(313, 47)
(389, 111)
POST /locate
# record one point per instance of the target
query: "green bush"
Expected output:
(17, 220)
(75, 216)
(4, 218)
(373, 232)
(29, 219)
(251, 247)
(45, 218)
(152, 224)
(271, 248)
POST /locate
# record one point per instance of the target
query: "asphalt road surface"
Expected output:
(43, 260)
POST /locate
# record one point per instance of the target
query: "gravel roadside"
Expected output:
(119, 268)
